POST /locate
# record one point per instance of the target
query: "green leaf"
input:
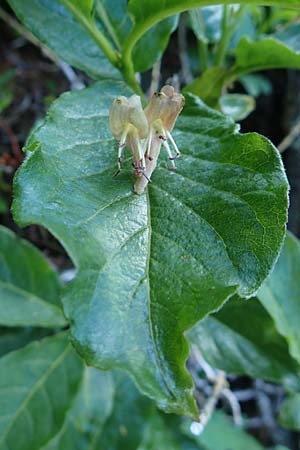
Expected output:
(91, 407)
(221, 434)
(151, 266)
(289, 416)
(256, 85)
(268, 53)
(206, 23)
(15, 338)
(208, 86)
(280, 294)
(29, 287)
(57, 28)
(229, 340)
(237, 106)
(37, 386)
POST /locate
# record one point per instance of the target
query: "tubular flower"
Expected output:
(161, 112)
(144, 132)
(129, 125)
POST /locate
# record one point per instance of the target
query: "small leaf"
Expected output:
(37, 386)
(280, 294)
(208, 86)
(151, 266)
(29, 287)
(237, 106)
(229, 341)
(289, 416)
(269, 53)
(256, 85)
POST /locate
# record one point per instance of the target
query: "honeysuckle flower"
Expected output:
(129, 125)
(161, 112)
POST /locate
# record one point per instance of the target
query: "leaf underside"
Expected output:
(151, 266)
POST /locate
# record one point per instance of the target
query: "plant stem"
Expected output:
(202, 49)
(225, 37)
(90, 26)
(128, 73)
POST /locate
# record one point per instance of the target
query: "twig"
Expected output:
(234, 405)
(290, 138)
(75, 82)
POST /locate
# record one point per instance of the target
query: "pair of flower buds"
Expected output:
(145, 131)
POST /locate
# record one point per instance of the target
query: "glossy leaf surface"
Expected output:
(289, 415)
(29, 287)
(151, 266)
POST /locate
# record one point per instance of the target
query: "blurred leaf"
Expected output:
(269, 53)
(229, 340)
(221, 434)
(29, 287)
(290, 37)
(206, 22)
(256, 85)
(37, 386)
(237, 106)
(140, 285)
(280, 294)
(57, 28)
(13, 338)
(91, 407)
(208, 86)
(289, 416)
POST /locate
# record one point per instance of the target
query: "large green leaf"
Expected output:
(229, 340)
(37, 386)
(29, 287)
(57, 28)
(91, 407)
(280, 294)
(151, 266)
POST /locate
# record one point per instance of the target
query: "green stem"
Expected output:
(90, 26)
(128, 73)
(202, 49)
(225, 37)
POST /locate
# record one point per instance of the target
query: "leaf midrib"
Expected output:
(151, 328)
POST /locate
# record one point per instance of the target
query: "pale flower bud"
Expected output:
(129, 125)
(161, 112)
